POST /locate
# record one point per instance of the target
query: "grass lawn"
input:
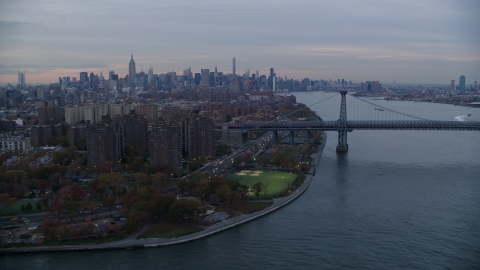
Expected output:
(169, 230)
(16, 209)
(277, 181)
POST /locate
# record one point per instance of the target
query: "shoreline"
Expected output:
(161, 242)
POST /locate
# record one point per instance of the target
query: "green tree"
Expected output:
(244, 191)
(130, 153)
(222, 149)
(137, 165)
(134, 221)
(6, 201)
(29, 207)
(140, 179)
(177, 210)
(248, 158)
(264, 188)
(108, 182)
(202, 187)
(277, 158)
(159, 178)
(197, 209)
(62, 141)
(257, 188)
(72, 208)
(109, 202)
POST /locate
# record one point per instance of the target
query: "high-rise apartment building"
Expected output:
(166, 146)
(103, 142)
(48, 115)
(41, 135)
(150, 111)
(452, 85)
(198, 137)
(76, 136)
(134, 132)
(131, 72)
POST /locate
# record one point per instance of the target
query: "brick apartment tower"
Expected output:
(166, 146)
(199, 140)
(103, 142)
(49, 115)
(134, 131)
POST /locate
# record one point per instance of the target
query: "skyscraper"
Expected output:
(21, 80)
(198, 78)
(92, 79)
(234, 70)
(205, 73)
(150, 75)
(131, 72)
(452, 85)
(271, 79)
(83, 77)
(461, 84)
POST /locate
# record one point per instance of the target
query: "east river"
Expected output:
(396, 200)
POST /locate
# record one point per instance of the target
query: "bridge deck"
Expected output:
(360, 125)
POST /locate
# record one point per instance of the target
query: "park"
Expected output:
(274, 183)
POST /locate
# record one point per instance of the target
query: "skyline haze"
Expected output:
(426, 42)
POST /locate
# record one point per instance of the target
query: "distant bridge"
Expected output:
(365, 125)
(343, 126)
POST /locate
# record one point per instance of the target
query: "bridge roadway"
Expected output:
(359, 125)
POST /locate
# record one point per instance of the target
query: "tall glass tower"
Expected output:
(461, 84)
(21, 80)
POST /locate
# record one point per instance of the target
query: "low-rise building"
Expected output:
(14, 142)
(43, 161)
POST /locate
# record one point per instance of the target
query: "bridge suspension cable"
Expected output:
(387, 109)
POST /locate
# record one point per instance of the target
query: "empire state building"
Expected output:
(131, 72)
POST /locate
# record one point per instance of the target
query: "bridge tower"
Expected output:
(342, 145)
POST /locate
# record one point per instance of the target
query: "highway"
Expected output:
(220, 165)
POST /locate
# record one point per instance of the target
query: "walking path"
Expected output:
(132, 242)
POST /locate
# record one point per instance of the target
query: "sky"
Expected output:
(411, 41)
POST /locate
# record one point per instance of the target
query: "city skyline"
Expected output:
(427, 42)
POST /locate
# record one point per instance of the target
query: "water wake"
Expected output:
(461, 117)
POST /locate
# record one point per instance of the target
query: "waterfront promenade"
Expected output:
(133, 242)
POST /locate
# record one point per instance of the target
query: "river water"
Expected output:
(396, 200)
